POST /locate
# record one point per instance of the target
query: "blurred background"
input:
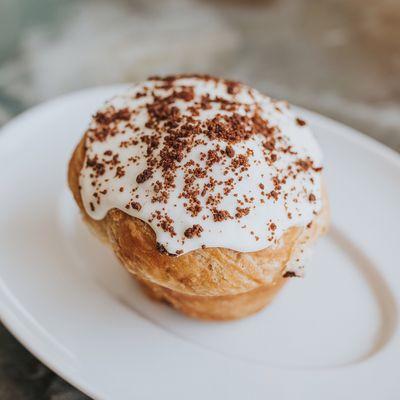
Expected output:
(337, 57)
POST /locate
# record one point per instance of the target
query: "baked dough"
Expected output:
(210, 283)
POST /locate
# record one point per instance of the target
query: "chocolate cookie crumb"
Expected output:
(136, 206)
(195, 230)
(300, 122)
(144, 176)
(230, 152)
(290, 274)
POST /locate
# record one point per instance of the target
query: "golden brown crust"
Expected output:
(221, 308)
(203, 272)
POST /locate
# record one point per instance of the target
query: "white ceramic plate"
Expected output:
(332, 335)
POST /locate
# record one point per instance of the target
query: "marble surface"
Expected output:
(338, 57)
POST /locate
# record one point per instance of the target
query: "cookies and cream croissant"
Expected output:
(208, 192)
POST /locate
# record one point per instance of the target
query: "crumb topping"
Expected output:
(206, 162)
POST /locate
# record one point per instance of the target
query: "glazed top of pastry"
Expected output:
(205, 162)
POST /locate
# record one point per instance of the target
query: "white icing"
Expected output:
(246, 234)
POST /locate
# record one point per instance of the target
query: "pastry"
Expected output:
(208, 192)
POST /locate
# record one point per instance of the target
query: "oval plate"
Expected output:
(333, 334)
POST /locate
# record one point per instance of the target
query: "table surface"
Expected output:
(338, 57)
